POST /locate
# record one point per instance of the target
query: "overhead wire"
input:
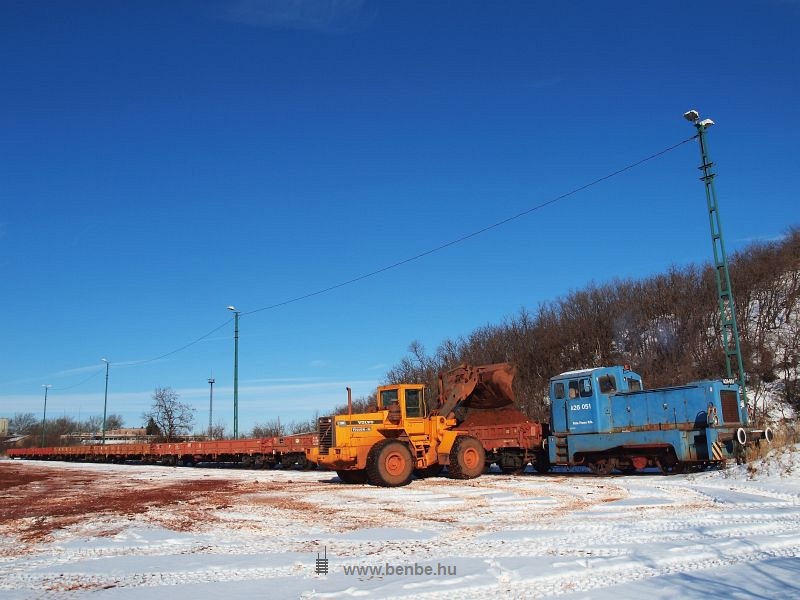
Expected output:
(413, 258)
(473, 234)
(69, 387)
(184, 347)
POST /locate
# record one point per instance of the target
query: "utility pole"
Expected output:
(105, 402)
(727, 307)
(210, 403)
(44, 414)
(236, 314)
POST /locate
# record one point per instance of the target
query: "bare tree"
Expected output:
(92, 424)
(23, 423)
(268, 429)
(170, 416)
(114, 422)
(218, 431)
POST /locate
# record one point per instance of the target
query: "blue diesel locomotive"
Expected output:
(604, 419)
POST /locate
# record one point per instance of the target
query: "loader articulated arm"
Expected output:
(482, 387)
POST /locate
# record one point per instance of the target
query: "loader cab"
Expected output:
(409, 400)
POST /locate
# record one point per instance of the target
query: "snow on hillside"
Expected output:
(114, 531)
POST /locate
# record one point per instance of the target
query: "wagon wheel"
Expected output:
(514, 470)
(389, 464)
(541, 463)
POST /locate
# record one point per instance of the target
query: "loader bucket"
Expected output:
(483, 387)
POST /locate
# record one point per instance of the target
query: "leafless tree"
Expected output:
(170, 416)
(218, 431)
(23, 423)
(114, 422)
(269, 429)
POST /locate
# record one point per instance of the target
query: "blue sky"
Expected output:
(161, 161)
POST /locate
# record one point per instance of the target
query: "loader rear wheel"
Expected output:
(358, 476)
(389, 464)
(467, 458)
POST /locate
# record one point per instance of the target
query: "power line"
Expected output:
(478, 232)
(69, 387)
(144, 362)
(184, 347)
(410, 259)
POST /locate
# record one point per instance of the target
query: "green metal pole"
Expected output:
(211, 382)
(236, 375)
(44, 414)
(727, 307)
(105, 403)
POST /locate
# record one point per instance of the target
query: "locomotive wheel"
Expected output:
(671, 467)
(353, 477)
(602, 466)
(389, 464)
(467, 458)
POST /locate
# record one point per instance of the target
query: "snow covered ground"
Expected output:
(123, 531)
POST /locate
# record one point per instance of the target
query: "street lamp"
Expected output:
(236, 314)
(727, 306)
(211, 382)
(44, 414)
(105, 401)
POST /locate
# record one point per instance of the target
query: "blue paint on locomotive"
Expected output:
(606, 412)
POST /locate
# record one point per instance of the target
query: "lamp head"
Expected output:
(691, 115)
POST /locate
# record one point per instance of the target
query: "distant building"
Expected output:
(3, 427)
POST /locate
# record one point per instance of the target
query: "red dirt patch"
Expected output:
(35, 502)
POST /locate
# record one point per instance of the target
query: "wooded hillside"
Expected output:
(666, 327)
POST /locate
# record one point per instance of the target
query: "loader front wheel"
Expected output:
(389, 464)
(467, 458)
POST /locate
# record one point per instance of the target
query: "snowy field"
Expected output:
(114, 531)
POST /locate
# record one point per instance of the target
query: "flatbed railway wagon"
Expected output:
(289, 451)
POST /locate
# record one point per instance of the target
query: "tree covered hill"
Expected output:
(666, 327)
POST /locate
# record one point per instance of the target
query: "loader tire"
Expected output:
(467, 458)
(358, 476)
(389, 464)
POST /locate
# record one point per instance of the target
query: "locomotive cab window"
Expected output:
(414, 403)
(634, 385)
(574, 389)
(608, 384)
(558, 390)
(586, 388)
